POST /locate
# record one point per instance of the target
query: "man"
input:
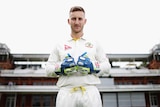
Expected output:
(78, 63)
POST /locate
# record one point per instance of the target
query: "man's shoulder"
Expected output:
(91, 40)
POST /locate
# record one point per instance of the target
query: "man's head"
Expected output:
(77, 19)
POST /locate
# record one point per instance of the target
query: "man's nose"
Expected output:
(77, 21)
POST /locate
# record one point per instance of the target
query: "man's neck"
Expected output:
(76, 35)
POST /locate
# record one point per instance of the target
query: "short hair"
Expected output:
(76, 8)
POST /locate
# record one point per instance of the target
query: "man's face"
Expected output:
(77, 21)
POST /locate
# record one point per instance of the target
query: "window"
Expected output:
(109, 99)
(23, 101)
(138, 99)
(43, 100)
(153, 100)
(10, 101)
(124, 99)
(36, 100)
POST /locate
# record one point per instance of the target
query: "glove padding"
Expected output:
(85, 66)
(68, 65)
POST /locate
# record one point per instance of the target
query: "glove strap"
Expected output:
(84, 53)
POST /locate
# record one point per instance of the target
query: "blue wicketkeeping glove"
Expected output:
(68, 65)
(85, 66)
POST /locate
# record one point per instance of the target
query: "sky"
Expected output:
(120, 26)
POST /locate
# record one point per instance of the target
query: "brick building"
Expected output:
(25, 84)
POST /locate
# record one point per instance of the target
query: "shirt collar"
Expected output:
(81, 38)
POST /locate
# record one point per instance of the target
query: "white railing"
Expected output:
(49, 89)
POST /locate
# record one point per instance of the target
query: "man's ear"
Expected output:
(68, 21)
(85, 21)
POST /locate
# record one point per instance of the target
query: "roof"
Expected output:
(112, 57)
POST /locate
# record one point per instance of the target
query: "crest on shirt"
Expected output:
(89, 45)
(66, 47)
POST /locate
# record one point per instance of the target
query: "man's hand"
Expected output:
(85, 66)
(68, 65)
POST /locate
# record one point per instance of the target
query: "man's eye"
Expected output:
(73, 19)
(80, 19)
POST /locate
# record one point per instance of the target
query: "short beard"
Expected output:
(75, 31)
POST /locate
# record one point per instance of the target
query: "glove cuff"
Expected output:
(57, 69)
(96, 67)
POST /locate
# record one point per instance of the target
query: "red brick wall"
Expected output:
(154, 64)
